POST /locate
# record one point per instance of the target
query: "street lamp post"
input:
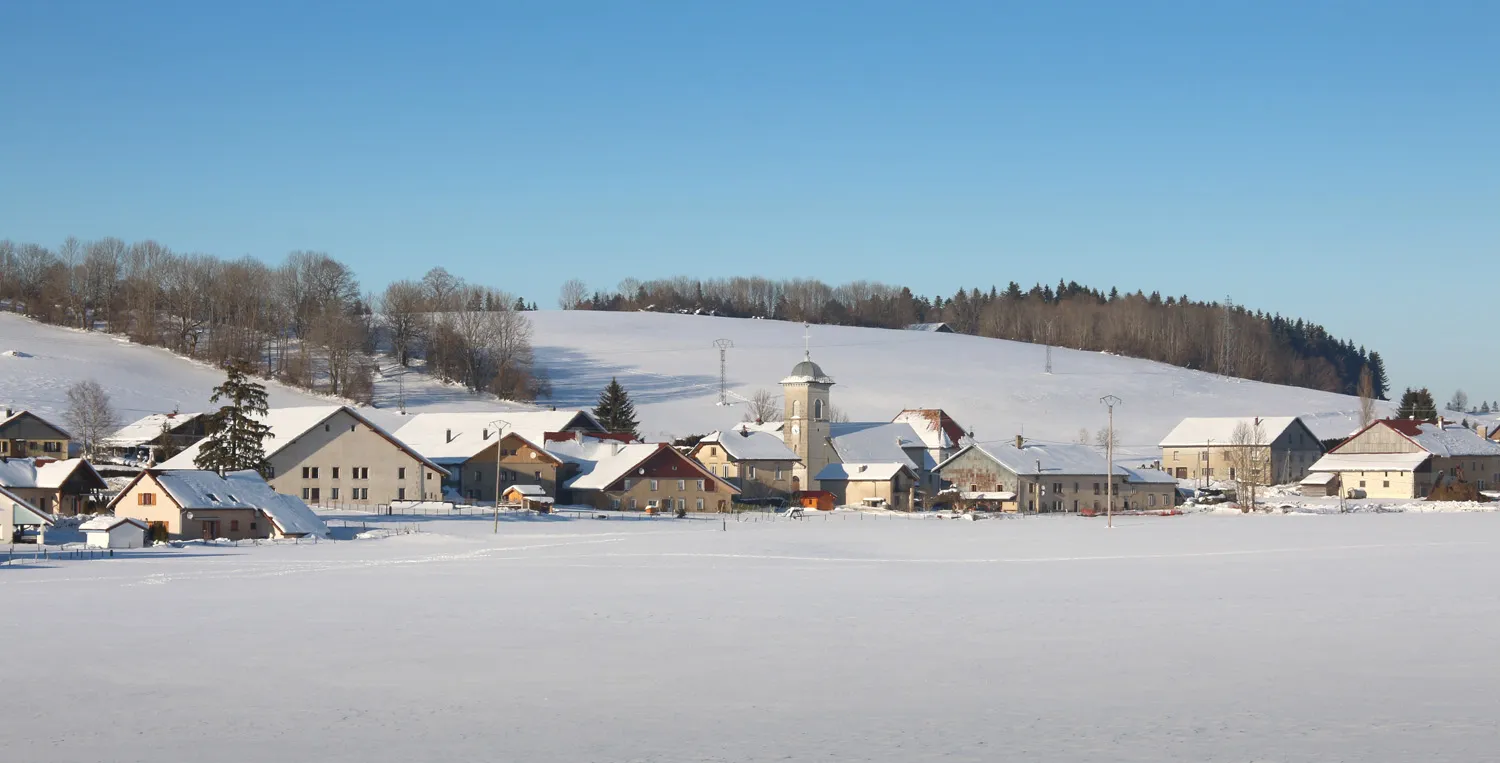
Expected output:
(499, 436)
(1110, 401)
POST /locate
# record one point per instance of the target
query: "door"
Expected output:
(210, 529)
(314, 495)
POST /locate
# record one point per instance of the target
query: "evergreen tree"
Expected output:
(1417, 404)
(237, 434)
(1484, 406)
(615, 411)
(1382, 383)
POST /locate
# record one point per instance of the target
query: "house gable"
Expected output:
(1378, 437)
(26, 425)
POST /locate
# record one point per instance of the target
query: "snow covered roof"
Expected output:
(527, 490)
(18, 415)
(1369, 462)
(933, 327)
(105, 523)
(970, 495)
(876, 442)
(33, 513)
(288, 424)
(1446, 440)
(807, 372)
(1052, 459)
(934, 427)
(457, 437)
(50, 475)
(742, 445)
(1319, 478)
(1145, 476)
(1204, 431)
(773, 427)
(201, 489)
(601, 462)
(147, 429)
(864, 472)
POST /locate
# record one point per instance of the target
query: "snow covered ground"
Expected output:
(668, 362)
(1203, 637)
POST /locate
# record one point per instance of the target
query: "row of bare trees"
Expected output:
(1211, 336)
(304, 321)
(469, 334)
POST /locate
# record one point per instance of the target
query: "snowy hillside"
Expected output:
(995, 388)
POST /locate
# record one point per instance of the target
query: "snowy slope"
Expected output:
(995, 388)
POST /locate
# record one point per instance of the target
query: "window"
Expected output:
(145, 499)
(818, 410)
(333, 493)
(52, 447)
(1385, 483)
(627, 483)
(306, 493)
(682, 484)
(1208, 471)
(973, 488)
(1057, 487)
(1075, 487)
(702, 485)
(212, 497)
(614, 503)
(364, 493)
(1151, 499)
(726, 470)
(306, 472)
(1361, 483)
(778, 475)
(655, 486)
(234, 525)
(633, 504)
(400, 472)
(400, 493)
(750, 472)
(700, 504)
(325, 428)
(335, 472)
(253, 525)
(796, 409)
(999, 487)
(682, 504)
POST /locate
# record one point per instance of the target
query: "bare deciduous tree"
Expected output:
(402, 307)
(1249, 459)
(90, 416)
(764, 405)
(572, 294)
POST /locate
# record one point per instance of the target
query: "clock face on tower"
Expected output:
(796, 430)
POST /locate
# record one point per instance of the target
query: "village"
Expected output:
(146, 483)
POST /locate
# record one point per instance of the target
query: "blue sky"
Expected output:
(1338, 161)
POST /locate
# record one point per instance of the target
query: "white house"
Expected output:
(17, 516)
(113, 532)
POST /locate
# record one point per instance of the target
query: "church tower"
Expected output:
(805, 426)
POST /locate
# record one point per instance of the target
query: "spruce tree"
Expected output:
(1417, 404)
(1382, 382)
(237, 434)
(615, 411)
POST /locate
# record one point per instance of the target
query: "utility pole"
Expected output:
(499, 437)
(723, 345)
(1110, 401)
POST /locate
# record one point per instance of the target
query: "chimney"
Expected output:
(1020, 442)
(448, 436)
(484, 434)
(744, 433)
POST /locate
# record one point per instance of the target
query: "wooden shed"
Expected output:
(1321, 484)
(821, 500)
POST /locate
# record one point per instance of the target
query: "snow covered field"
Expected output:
(668, 362)
(1195, 638)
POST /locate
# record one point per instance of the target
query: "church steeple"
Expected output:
(806, 430)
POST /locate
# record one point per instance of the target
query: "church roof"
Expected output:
(807, 372)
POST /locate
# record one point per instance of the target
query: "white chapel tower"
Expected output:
(805, 429)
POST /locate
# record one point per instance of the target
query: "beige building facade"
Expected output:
(1405, 459)
(758, 463)
(1206, 450)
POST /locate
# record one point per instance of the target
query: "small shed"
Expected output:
(113, 532)
(821, 500)
(527, 497)
(1319, 484)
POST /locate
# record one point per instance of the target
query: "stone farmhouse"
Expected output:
(1402, 458)
(1205, 449)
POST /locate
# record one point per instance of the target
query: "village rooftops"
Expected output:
(147, 429)
(602, 463)
(1442, 439)
(453, 438)
(1049, 459)
(861, 472)
(1199, 432)
(879, 442)
(105, 523)
(289, 424)
(933, 426)
(27, 473)
(746, 445)
(1145, 476)
(201, 489)
(1369, 462)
